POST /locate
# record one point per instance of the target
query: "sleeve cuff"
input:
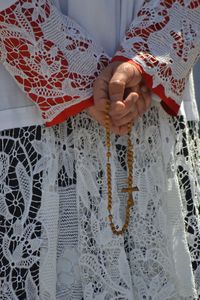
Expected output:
(68, 112)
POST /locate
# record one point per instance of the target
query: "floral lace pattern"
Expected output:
(149, 267)
(20, 226)
(55, 239)
(48, 54)
(164, 40)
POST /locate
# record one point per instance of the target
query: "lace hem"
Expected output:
(55, 240)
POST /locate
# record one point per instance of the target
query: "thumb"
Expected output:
(125, 75)
(117, 85)
(116, 88)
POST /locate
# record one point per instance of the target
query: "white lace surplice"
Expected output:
(69, 237)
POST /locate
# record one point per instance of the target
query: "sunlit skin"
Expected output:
(122, 84)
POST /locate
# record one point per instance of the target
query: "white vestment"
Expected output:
(61, 209)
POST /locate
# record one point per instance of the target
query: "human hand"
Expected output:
(121, 82)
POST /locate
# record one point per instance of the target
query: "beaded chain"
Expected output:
(129, 189)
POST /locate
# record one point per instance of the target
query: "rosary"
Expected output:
(130, 189)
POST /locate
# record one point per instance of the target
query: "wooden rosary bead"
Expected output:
(129, 189)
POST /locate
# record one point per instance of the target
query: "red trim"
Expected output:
(71, 111)
(170, 106)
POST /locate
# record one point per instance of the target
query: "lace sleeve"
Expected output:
(164, 40)
(52, 58)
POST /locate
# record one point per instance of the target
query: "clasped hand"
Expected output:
(122, 84)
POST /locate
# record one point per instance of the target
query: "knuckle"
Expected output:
(117, 83)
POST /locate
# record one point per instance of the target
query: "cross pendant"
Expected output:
(130, 194)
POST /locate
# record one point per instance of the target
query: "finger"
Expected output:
(116, 88)
(123, 129)
(129, 118)
(101, 119)
(100, 93)
(122, 75)
(116, 108)
(115, 130)
(121, 109)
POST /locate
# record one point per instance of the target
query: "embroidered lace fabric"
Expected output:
(165, 40)
(55, 241)
(47, 54)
